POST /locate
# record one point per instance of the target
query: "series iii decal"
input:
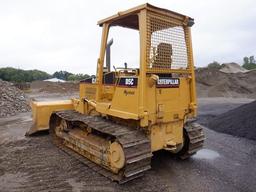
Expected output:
(127, 92)
(167, 82)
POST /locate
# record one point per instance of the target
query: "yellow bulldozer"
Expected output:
(124, 115)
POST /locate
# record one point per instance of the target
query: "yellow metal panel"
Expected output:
(147, 6)
(193, 101)
(108, 92)
(41, 112)
(175, 100)
(100, 63)
(88, 90)
(125, 99)
(151, 102)
(123, 105)
(142, 75)
(79, 105)
(166, 133)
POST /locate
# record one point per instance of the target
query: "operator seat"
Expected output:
(163, 56)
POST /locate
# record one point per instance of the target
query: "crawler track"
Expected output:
(194, 137)
(136, 145)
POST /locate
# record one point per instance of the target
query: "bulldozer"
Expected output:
(123, 115)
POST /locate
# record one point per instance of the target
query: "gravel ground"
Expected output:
(240, 121)
(226, 163)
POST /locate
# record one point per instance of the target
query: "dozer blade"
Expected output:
(41, 112)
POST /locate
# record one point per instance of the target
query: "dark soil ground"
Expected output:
(226, 163)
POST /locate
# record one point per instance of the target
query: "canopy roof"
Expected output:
(129, 18)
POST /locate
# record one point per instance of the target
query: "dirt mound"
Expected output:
(240, 121)
(12, 100)
(232, 68)
(214, 83)
(55, 87)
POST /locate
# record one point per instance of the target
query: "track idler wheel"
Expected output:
(116, 155)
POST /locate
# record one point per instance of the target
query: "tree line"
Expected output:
(249, 63)
(20, 75)
(64, 75)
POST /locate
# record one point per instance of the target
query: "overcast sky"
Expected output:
(52, 35)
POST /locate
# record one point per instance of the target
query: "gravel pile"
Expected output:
(232, 68)
(12, 100)
(240, 121)
(214, 83)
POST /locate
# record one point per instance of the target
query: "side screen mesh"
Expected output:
(166, 45)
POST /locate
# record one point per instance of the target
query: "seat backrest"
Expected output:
(163, 56)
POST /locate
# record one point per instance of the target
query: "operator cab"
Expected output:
(122, 50)
(165, 39)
